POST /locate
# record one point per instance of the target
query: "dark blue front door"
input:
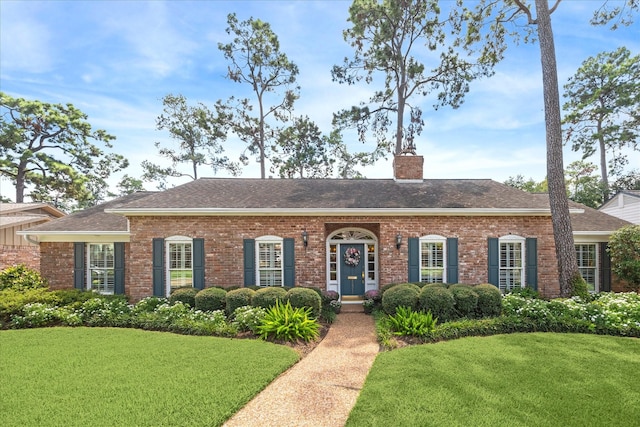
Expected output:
(352, 261)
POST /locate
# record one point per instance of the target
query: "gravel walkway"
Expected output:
(321, 389)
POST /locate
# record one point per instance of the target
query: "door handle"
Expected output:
(363, 277)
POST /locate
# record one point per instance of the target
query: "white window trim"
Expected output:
(89, 269)
(597, 268)
(167, 261)
(434, 238)
(274, 240)
(510, 238)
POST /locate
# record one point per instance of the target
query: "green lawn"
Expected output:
(538, 379)
(129, 377)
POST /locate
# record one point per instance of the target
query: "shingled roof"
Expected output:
(217, 194)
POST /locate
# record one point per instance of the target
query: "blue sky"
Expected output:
(115, 60)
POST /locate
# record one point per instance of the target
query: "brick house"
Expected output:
(349, 236)
(16, 217)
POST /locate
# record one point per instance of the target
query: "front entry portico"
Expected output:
(352, 263)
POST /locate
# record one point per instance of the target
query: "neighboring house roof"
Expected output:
(625, 205)
(42, 209)
(338, 196)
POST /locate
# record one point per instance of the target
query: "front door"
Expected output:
(352, 261)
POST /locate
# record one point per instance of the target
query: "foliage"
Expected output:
(624, 248)
(305, 297)
(267, 297)
(21, 277)
(283, 322)
(387, 38)
(211, 299)
(439, 301)
(413, 323)
(580, 288)
(328, 296)
(73, 297)
(466, 300)
(114, 312)
(489, 300)
(199, 133)
(12, 301)
(49, 147)
(526, 292)
(185, 295)
(582, 186)
(248, 318)
(236, 298)
(603, 100)
(402, 295)
(302, 151)
(256, 60)
(530, 185)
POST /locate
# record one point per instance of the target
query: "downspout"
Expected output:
(31, 240)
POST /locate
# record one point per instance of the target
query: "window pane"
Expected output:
(432, 262)
(587, 264)
(180, 265)
(270, 263)
(510, 266)
(101, 273)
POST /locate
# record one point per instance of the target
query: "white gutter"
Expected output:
(77, 236)
(333, 212)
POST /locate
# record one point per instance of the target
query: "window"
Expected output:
(179, 263)
(101, 268)
(586, 255)
(511, 261)
(432, 259)
(269, 261)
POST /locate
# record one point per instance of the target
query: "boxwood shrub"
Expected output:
(238, 298)
(267, 297)
(439, 301)
(185, 295)
(489, 300)
(211, 299)
(466, 300)
(402, 295)
(305, 297)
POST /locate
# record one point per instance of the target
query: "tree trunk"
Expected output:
(603, 166)
(562, 231)
(20, 177)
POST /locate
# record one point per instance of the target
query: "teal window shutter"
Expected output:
(413, 245)
(198, 263)
(118, 267)
(605, 268)
(452, 260)
(158, 267)
(79, 265)
(288, 249)
(493, 259)
(531, 275)
(249, 250)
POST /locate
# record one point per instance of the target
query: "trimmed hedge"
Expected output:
(489, 300)
(237, 298)
(211, 299)
(439, 301)
(21, 277)
(267, 297)
(401, 295)
(466, 300)
(185, 295)
(305, 297)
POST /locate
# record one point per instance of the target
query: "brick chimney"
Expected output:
(408, 168)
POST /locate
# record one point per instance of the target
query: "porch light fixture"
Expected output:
(305, 238)
(398, 240)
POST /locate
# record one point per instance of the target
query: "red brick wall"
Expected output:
(56, 264)
(408, 167)
(223, 237)
(13, 255)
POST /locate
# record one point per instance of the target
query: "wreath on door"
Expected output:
(352, 257)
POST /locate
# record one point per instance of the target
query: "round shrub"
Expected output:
(267, 297)
(402, 295)
(466, 300)
(211, 299)
(385, 288)
(305, 297)
(20, 277)
(435, 285)
(185, 295)
(238, 298)
(439, 301)
(489, 300)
